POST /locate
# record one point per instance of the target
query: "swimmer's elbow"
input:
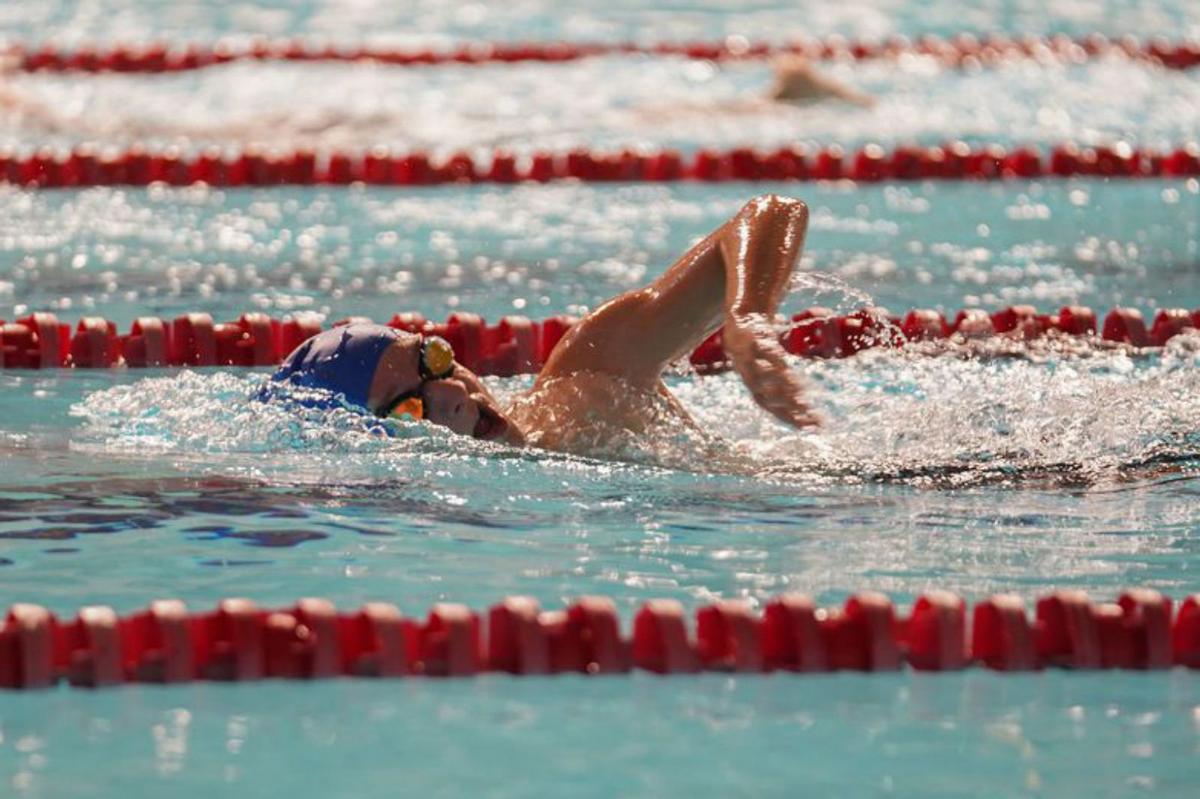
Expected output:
(777, 208)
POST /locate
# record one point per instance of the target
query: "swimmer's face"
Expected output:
(459, 402)
(462, 403)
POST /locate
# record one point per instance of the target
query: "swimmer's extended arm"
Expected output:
(734, 279)
(797, 81)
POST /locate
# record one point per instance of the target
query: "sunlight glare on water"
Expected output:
(541, 250)
(899, 416)
(431, 22)
(1024, 468)
(607, 103)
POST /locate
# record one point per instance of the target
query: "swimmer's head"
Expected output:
(391, 372)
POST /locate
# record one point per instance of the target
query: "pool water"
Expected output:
(1015, 474)
(429, 22)
(641, 736)
(612, 102)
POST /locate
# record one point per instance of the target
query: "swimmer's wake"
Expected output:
(939, 422)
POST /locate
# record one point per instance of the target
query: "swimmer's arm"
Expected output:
(735, 279)
(797, 81)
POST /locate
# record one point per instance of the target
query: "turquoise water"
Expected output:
(433, 21)
(542, 250)
(612, 102)
(978, 476)
(1056, 735)
(1018, 474)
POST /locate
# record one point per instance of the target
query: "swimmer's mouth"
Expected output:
(491, 425)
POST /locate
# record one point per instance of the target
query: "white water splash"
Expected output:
(609, 102)
(887, 415)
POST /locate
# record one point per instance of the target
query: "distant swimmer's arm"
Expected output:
(797, 81)
(734, 279)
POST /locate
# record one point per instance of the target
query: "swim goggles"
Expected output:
(436, 362)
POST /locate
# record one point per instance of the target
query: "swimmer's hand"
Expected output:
(759, 359)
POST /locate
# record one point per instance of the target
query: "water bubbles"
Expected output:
(609, 102)
(378, 251)
(985, 419)
(826, 290)
(1081, 416)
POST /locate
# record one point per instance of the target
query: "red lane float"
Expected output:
(27, 642)
(88, 649)
(936, 633)
(376, 641)
(729, 636)
(1068, 631)
(814, 332)
(924, 325)
(517, 345)
(228, 642)
(1002, 637)
(960, 50)
(1126, 325)
(313, 640)
(94, 344)
(518, 642)
(38, 341)
(791, 635)
(157, 644)
(588, 639)
(660, 639)
(863, 635)
(449, 643)
(81, 167)
(1185, 634)
(146, 345)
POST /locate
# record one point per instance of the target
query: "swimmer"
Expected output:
(798, 82)
(603, 381)
(797, 88)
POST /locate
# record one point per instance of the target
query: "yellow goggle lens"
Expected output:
(438, 356)
(412, 407)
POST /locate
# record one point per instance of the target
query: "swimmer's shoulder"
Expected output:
(583, 410)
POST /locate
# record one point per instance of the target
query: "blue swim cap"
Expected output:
(342, 360)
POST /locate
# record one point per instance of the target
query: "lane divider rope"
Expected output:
(166, 643)
(87, 165)
(518, 345)
(959, 50)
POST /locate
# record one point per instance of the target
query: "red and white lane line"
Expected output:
(518, 345)
(88, 165)
(960, 50)
(167, 643)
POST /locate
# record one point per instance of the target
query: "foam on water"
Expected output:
(941, 420)
(609, 102)
(434, 22)
(887, 416)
